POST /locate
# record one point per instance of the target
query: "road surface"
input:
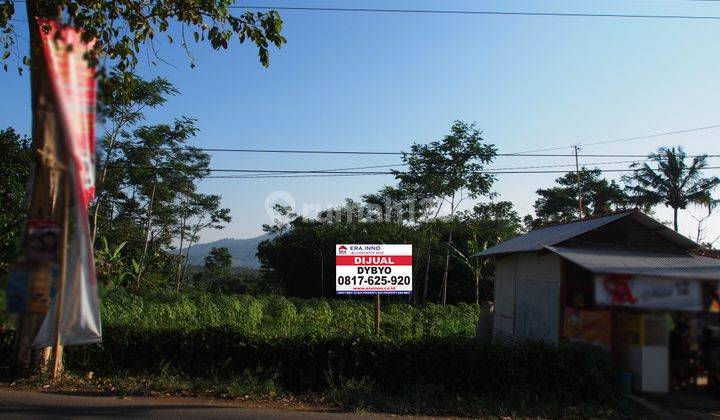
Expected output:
(37, 405)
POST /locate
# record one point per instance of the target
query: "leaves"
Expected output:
(441, 169)
(560, 204)
(671, 182)
(124, 28)
(14, 174)
(147, 191)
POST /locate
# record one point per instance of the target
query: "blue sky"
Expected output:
(368, 81)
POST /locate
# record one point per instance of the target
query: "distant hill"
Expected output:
(242, 250)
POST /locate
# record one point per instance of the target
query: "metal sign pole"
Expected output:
(377, 314)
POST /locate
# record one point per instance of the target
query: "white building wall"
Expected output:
(527, 298)
(504, 298)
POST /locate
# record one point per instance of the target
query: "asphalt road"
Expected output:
(36, 405)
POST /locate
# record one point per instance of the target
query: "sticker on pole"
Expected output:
(373, 269)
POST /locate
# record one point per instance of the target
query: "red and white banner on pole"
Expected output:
(373, 269)
(74, 90)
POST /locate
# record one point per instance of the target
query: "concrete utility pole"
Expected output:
(579, 184)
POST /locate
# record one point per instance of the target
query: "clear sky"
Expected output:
(371, 81)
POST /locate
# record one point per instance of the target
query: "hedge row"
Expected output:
(277, 316)
(451, 368)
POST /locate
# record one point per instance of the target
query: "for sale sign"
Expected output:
(373, 269)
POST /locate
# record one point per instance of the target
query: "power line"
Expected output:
(296, 151)
(568, 165)
(476, 12)
(347, 169)
(281, 176)
(472, 12)
(362, 174)
(368, 152)
(667, 133)
(308, 172)
(260, 175)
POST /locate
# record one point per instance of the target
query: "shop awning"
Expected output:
(621, 261)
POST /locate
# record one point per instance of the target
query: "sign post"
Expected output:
(377, 314)
(373, 269)
(57, 347)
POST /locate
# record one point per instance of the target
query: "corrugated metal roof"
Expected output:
(536, 239)
(623, 261)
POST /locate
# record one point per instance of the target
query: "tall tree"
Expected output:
(14, 174)
(152, 199)
(448, 171)
(488, 224)
(559, 204)
(218, 259)
(197, 213)
(121, 30)
(121, 106)
(671, 181)
(395, 204)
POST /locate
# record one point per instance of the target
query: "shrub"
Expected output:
(522, 375)
(277, 316)
(424, 354)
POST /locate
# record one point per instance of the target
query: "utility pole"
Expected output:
(579, 184)
(45, 187)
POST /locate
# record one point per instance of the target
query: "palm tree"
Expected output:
(673, 183)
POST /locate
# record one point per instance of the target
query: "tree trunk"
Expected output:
(187, 258)
(675, 218)
(96, 210)
(141, 269)
(477, 289)
(191, 241)
(447, 267)
(447, 253)
(414, 297)
(98, 185)
(178, 273)
(322, 275)
(427, 271)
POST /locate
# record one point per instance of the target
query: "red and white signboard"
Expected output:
(373, 269)
(648, 292)
(74, 91)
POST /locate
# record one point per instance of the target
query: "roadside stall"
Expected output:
(656, 313)
(623, 282)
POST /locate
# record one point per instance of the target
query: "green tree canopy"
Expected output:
(218, 259)
(671, 181)
(147, 194)
(122, 29)
(449, 171)
(559, 204)
(14, 173)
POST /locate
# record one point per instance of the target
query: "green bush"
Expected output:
(529, 374)
(277, 316)
(425, 354)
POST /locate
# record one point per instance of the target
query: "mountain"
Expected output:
(242, 250)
